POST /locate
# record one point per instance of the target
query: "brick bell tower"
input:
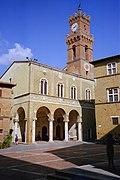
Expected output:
(80, 44)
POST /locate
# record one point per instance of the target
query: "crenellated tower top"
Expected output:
(79, 42)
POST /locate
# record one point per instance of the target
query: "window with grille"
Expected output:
(113, 95)
(43, 87)
(60, 90)
(73, 92)
(111, 68)
(87, 94)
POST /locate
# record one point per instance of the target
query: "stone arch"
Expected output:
(58, 125)
(22, 124)
(42, 123)
(72, 127)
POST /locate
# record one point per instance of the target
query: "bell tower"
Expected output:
(80, 43)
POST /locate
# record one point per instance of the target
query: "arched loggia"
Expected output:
(73, 125)
(42, 124)
(22, 124)
(58, 125)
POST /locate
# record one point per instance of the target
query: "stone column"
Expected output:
(16, 120)
(51, 119)
(25, 130)
(79, 121)
(66, 120)
(33, 129)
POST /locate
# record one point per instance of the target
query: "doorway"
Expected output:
(58, 134)
(44, 133)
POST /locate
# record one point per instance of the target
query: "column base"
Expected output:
(50, 141)
(65, 140)
(34, 142)
(79, 140)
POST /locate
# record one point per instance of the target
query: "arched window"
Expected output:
(73, 92)
(86, 52)
(43, 86)
(60, 90)
(87, 94)
(74, 52)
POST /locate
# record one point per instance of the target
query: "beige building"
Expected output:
(49, 103)
(5, 108)
(107, 95)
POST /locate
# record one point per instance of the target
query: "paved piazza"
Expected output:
(36, 161)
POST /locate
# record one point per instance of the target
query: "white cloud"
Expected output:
(17, 53)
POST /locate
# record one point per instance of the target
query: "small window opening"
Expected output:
(86, 72)
(86, 52)
(1, 131)
(74, 52)
(115, 120)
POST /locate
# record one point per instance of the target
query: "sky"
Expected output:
(37, 29)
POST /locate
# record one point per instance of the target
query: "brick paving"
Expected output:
(35, 162)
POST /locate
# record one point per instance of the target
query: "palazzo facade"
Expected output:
(5, 108)
(107, 96)
(52, 104)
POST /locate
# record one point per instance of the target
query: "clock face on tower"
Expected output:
(74, 27)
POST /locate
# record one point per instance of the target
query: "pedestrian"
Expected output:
(110, 149)
(16, 139)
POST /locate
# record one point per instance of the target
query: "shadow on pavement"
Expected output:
(90, 154)
(11, 169)
(84, 156)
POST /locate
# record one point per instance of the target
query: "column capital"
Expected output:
(51, 117)
(66, 117)
(34, 119)
(16, 118)
(50, 120)
(79, 119)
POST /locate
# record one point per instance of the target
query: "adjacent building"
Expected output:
(53, 104)
(5, 108)
(107, 95)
